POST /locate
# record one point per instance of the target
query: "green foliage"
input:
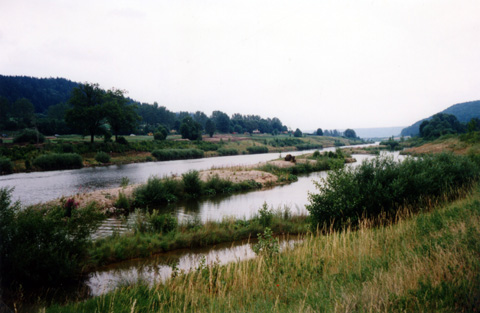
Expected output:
(157, 192)
(308, 146)
(162, 223)
(265, 216)
(190, 129)
(6, 166)
(29, 136)
(102, 157)
(257, 149)
(192, 185)
(177, 154)
(350, 133)
(440, 124)
(56, 161)
(123, 202)
(125, 182)
(392, 144)
(267, 245)
(285, 142)
(298, 133)
(42, 247)
(210, 128)
(121, 140)
(119, 113)
(161, 133)
(207, 146)
(383, 186)
(319, 132)
(227, 151)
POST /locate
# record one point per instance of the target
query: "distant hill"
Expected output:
(463, 111)
(42, 92)
(379, 132)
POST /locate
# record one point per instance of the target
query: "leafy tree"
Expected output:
(200, 118)
(298, 133)
(222, 121)
(23, 112)
(319, 132)
(440, 124)
(4, 110)
(88, 111)
(473, 125)
(161, 133)
(350, 133)
(210, 127)
(120, 115)
(190, 129)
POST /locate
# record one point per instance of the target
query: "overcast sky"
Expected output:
(329, 64)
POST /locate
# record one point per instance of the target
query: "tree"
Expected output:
(200, 118)
(190, 129)
(350, 133)
(210, 127)
(440, 124)
(298, 133)
(161, 133)
(222, 121)
(23, 112)
(319, 132)
(88, 111)
(120, 115)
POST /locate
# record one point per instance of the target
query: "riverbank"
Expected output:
(138, 149)
(425, 262)
(262, 175)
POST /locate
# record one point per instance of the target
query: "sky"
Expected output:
(330, 64)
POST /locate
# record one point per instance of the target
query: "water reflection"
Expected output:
(159, 267)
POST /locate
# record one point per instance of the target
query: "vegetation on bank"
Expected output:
(155, 233)
(421, 263)
(382, 186)
(158, 191)
(139, 148)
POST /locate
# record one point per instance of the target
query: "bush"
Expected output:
(122, 202)
(42, 247)
(55, 161)
(192, 184)
(102, 157)
(265, 216)
(383, 186)
(227, 151)
(121, 140)
(29, 136)
(157, 192)
(177, 154)
(257, 149)
(162, 223)
(6, 166)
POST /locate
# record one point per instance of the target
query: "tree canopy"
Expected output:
(440, 124)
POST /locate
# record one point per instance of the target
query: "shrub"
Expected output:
(177, 154)
(102, 157)
(55, 161)
(29, 136)
(42, 247)
(122, 202)
(265, 216)
(6, 166)
(227, 151)
(308, 146)
(157, 192)
(163, 223)
(267, 245)
(192, 184)
(257, 149)
(121, 140)
(383, 186)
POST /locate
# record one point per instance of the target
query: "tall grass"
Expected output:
(423, 263)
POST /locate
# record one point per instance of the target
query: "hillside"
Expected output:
(42, 92)
(463, 111)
